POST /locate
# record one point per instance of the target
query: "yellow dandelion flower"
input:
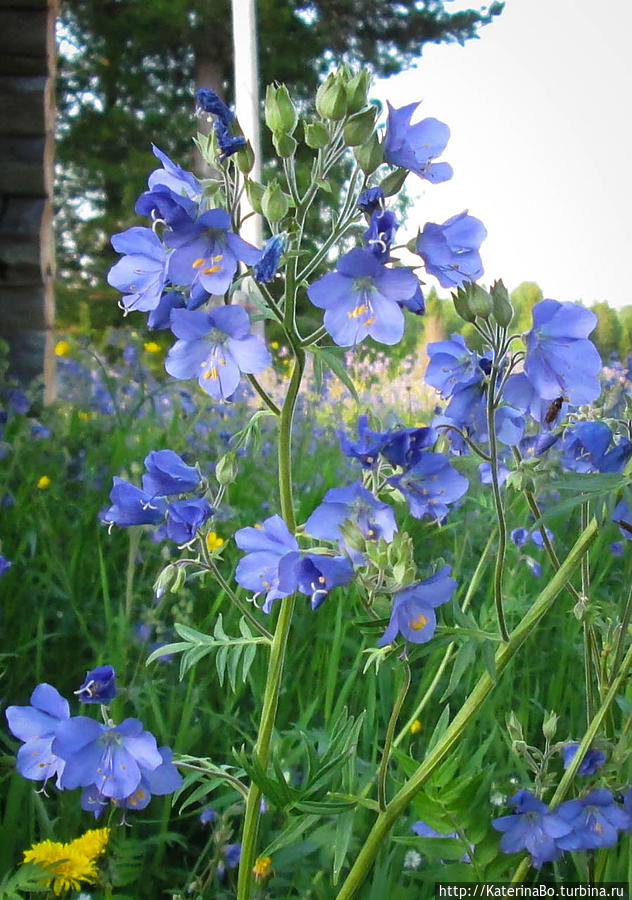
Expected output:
(43, 482)
(415, 728)
(152, 347)
(93, 843)
(274, 345)
(262, 868)
(213, 541)
(62, 348)
(82, 414)
(68, 866)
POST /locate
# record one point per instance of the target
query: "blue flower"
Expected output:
(414, 146)
(585, 449)
(404, 447)
(622, 517)
(227, 142)
(561, 361)
(108, 758)
(616, 548)
(354, 503)
(450, 251)
(592, 761)
(593, 822)
(413, 613)
(132, 506)
(271, 555)
(533, 827)
(316, 575)
(371, 200)
(99, 686)
(232, 855)
(164, 779)
(141, 274)
(167, 474)
(207, 252)
(368, 446)
(216, 347)
(174, 178)
(208, 815)
(186, 517)
(521, 393)
(160, 317)
(362, 298)
(207, 100)
(266, 268)
(5, 565)
(380, 234)
(452, 365)
(37, 726)
(430, 485)
(424, 830)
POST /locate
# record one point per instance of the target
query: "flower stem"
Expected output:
(500, 512)
(484, 687)
(388, 740)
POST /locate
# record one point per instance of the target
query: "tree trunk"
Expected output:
(27, 256)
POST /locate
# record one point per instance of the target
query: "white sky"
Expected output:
(541, 143)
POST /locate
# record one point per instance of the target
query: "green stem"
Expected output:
(470, 708)
(588, 675)
(279, 641)
(388, 740)
(500, 512)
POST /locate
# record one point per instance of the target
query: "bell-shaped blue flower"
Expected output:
(413, 613)
(380, 234)
(99, 686)
(430, 486)
(186, 517)
(141, 274)
(271, 556)
(167, 474)
(206, 253)
(593, 759)
(452, 365)
(413, 147)
(316, 575)
(362, 299)
(594, 821)
(132, 506)
(450, 251)
(215, 347)
(371, 199)
(37, 726)
(561, 361)
(534, 828)
(354, 503)
(174, 178)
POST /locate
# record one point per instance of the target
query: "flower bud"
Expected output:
(501, 304)
(284, 144)
(280, 112)
(357, 90)
(393, 182)
(369, 155)
(359, 128)
(331, 98)
(459, 298)
(254, 192)
(165, 581)
(226, 469)
(479, 302)
(514, 727)
(549, 726)
(274, 203)
(245, 159)
(316, 135)
(352, 536)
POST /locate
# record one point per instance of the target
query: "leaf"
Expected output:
(433, 848)
(344, 831)
(336, 366)
(464, 658)
(439, 729)
(220, 663)
(297, 827)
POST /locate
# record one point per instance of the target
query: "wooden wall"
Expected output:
(27, 255)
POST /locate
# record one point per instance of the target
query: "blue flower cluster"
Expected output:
(166, 476)
(121, 764)
(585, 824)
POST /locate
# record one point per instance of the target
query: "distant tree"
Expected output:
(625, 340)
(524, 298)
(127, 76)
(607, 335)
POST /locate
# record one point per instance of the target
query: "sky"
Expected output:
(541, 143)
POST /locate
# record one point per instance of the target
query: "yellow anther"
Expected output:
(210, 269)
(369, 321)
(217, 258)
(358, 311)
(321, 579)
(418, 622)
(198, 262)
(212, 373)
(258, 526)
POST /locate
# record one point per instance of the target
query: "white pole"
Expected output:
(247, 98)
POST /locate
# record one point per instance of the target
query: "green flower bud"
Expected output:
(549, 726)
(479, 302)
(274, 203)
(353, 536)
(165, 580)
(254, 192)
(501, 304)
(331, 98)
(316, 135)
(245, 159)
(393, 182)
(280, 112)
(284, 144)
(459, 298)
(226, 469)
(369, 155)
(359, 128)
(357, 90)
(514, 727)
